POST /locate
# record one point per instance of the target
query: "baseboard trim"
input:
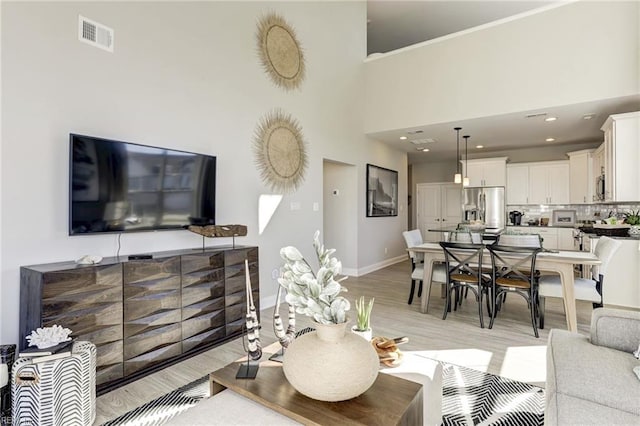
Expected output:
(268, 302)
(380, 265)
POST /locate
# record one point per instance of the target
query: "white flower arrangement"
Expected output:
(315, 295)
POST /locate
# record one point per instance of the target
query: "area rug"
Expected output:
(469, 397)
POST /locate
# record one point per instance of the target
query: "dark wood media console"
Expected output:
(142, 314)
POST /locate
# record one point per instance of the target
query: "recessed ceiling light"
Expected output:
(551, 119)
(425, 149)
(588, 116)
(479, 146)
(403, 138)
(549, 139)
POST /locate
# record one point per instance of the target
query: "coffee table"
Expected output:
(390, 401)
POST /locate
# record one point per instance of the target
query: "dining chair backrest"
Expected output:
(520, 240)
(413, 238)
(465, 236)
(605, 249)
(513, 261)
(463, 258)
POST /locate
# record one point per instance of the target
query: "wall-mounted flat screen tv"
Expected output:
(126, 187)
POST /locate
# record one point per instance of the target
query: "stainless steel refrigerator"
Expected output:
(486, 204)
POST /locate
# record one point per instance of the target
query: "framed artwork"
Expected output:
(382, 191)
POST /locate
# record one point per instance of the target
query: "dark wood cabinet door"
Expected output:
(203, 292)
(152, 312)
(88, 300)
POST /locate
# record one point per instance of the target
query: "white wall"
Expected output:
(340, 198)
(375, 234)
(578, 52)
(184, 75)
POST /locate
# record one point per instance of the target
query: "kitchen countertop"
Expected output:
(541, 226)
(586, 233)
(594, 237)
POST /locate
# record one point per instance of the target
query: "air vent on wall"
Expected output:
(95, 34)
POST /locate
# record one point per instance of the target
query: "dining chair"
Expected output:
(463, 262)
(589, 289)
(414, 238)
(464, 236)
(520, 240)
(514, 271)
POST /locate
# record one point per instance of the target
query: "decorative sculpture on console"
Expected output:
(216, 231)
(254, 348)
(284, 337)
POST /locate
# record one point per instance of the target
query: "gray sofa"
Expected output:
(591, 381)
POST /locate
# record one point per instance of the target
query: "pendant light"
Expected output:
(457, 178)
(465, 181)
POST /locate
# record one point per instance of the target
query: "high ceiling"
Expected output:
(396, 24)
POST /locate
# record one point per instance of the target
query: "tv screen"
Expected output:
(125, 187)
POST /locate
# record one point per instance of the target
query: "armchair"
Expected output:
(591, 381)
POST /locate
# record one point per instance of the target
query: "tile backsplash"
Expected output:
(584, 212)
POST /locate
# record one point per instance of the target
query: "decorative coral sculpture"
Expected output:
(49, 336)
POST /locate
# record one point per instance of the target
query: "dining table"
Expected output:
(560, 262)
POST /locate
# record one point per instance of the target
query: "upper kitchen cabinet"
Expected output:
(549, 182)
(517, 184)
(486, 171)
(621, 155)
(581, 176)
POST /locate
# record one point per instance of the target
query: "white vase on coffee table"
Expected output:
(330, 364)
(366, 334)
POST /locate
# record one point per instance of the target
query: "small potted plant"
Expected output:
(633, 218)
(363, 324)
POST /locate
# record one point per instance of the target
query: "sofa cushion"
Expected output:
(615, 329)
(577, 368)
(576, 411)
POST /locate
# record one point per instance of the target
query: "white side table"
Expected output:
(56, 392)
(427, 372)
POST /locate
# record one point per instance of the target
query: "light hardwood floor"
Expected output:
(509, 349)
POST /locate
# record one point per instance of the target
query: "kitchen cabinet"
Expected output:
(486, 171)
(621, 154)
(549, 182)
(581, 176)
(598, 169)
(517, 184)
(565, 239)
(549, 235)
(438, 205)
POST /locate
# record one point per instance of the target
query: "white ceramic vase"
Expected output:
(634, 231)
(330, 364)
(366, 334)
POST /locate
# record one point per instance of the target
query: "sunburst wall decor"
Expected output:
(280, 52)
(280, 152)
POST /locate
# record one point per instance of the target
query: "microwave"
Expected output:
(600, 195)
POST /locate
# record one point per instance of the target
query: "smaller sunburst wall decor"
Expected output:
(280, 151)
(280, 52)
